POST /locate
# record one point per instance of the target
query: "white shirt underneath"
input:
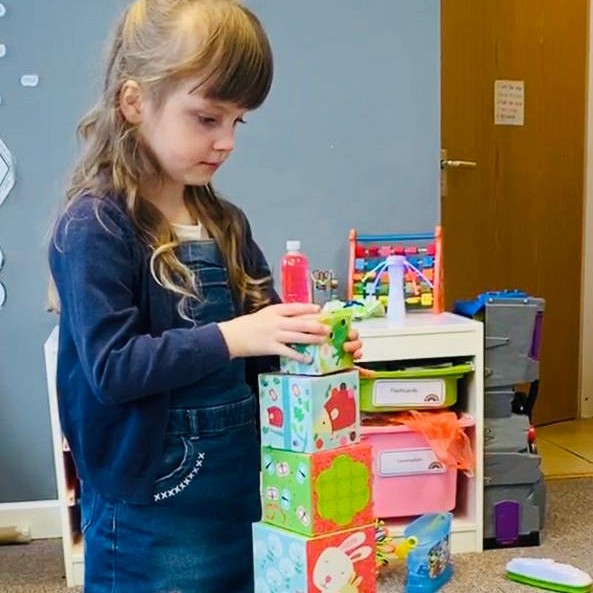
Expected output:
(190, 232)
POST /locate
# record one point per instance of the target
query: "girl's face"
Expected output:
(189, 135)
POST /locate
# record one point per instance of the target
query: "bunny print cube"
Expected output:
(309, 414)
(315, 493)
(342, 562)
(325, 358)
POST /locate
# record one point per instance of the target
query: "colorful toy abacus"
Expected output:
(423, 280)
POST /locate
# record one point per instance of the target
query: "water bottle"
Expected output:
(294, 270)
(396, 305)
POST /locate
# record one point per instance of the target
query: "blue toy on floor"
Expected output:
(429, 564)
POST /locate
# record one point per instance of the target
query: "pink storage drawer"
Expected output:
(408, 479)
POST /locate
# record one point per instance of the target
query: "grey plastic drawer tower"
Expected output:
(514, 489)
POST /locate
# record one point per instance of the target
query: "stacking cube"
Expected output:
(317, 493)
(325, 358)
(333, 563)
(309, 414)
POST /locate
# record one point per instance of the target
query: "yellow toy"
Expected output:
(388, 550)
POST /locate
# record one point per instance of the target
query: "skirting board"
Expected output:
(41, 516)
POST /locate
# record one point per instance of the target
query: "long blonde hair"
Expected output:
(160, 43)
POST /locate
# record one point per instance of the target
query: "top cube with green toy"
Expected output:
(328, 357)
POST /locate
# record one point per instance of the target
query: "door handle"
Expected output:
(451, 164)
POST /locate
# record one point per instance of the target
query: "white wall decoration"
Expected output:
(31, 80)
(2, 289)
(7, 175)
(6, 171)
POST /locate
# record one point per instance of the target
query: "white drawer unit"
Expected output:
(426, 336)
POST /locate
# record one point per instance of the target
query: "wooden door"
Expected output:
(515, 221)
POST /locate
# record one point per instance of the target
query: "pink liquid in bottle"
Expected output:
(295, 280)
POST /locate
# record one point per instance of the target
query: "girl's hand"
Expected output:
(353, 344)
(367, 373)
(270, 330)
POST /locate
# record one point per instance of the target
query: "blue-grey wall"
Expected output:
(348, 138)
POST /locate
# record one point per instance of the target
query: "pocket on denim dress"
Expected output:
(180, 465)
(215, 301)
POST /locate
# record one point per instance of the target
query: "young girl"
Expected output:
(167, 307)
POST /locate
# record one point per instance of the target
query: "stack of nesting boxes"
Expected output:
(514, 490)
(317, 531)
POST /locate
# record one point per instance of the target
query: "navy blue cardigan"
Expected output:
(122, 349)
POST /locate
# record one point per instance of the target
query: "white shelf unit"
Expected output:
(426, 336)
(65, 475)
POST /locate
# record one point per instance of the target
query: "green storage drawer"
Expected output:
(412, 389)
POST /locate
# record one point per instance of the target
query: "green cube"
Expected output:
(314, 493)
(328, 357)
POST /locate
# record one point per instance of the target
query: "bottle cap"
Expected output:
(293, 245)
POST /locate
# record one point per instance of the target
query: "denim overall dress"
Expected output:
(196, 535)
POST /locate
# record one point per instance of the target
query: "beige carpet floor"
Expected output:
(38, 568)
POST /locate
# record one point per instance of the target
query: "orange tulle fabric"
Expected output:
(442, 429)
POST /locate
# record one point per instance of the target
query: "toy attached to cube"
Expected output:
(328, 357)
(308, 414)
(341, 562)
(320, 492)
